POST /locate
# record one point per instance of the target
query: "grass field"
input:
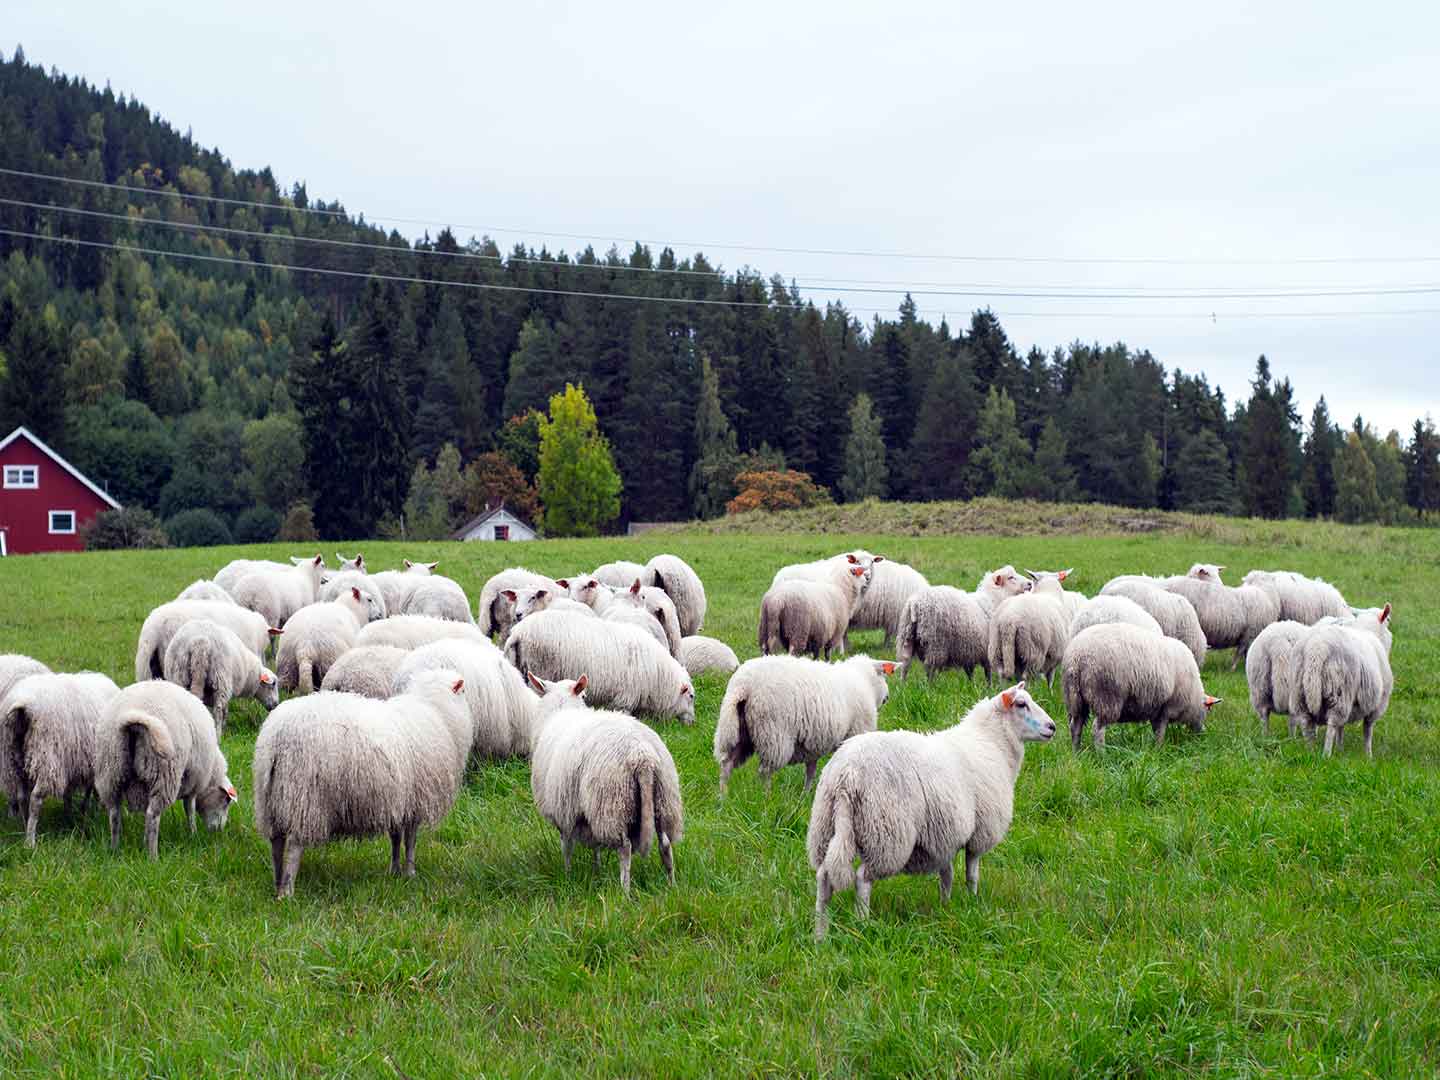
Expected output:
(1228, 905)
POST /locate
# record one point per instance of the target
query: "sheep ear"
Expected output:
(535, 684)
(541, 592)
(1066, 573)
(1211, 702)
(851, 558)
(430, 566)
(319, 560)
(592, 584)
(878, 558)
(886, 667)
(564, 583)
(509, 594)
(635, 589)
(1385, 613)
(355, 592)
(274, 631)
(1007, 698)
(458, 686)
(266, 679)
(999, 579)
(231, 793)
(580, 685)
(407, 563)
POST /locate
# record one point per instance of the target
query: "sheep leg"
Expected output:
(190, 813)
(823, 892)
(277, 860)
(115, 826)
(411, 834)
(947, 880)
(1158, 727)
(972, 871)
(293, 851)
(218, 711)
(667, 856)
(152, 826)
(65, 804)
(396, 839)
(32, 819)
(1264, 721)
(567, 844)
(809, 776)
(768, 776)
(1331, 733)
(1369, 730)
(625, 867)
(726, 767)
(862, 892)
(1099, 734)
(1077, 729)
(595, 860)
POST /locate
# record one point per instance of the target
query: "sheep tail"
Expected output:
(1008, 669)
(839, 861)
(907, 639)
(730, 724)
(305, 680)
(14, 729)
(763, 634)
(1312, 679)
(646, 777)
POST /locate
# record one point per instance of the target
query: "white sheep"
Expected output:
(502, 708)
(620, 574)
(1125, 674)
(1229, 617)
(368, 671)
(673, 576)
(156, 744)
(205, 590)
(343, 580)
(343, 765)
(318, 635)
(706, 654)
(396, 586)
(1270, 670)
(805, 615)
(213, 663)
(14, 667)
(892, 584)
(412, 631)
(646, 607)
(524, 602)
(629, 669)
(162, 624)
(904, 802)
(278, 594)
(47, 740)
(603, 779)
(1344, 676)
(997, 586)
(231, 573)
(440, 598)
(1029, 632)
(495, 611)
(1174, 613)
(943, 627)
(786, 710)
(1302, 599)
(1103, 610)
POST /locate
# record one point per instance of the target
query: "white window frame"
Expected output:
(14, 477)
(63, 532)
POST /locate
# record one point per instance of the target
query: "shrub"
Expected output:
(774, 490)
(299, 524)
(130, 527)
(258, 525)
(198, 528)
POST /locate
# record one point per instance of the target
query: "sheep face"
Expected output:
(684, 706)
(425, 569)
(214, 804)
(1029, 720)
(561, 694)
(1206, 572)
(1007, 582)
(528, 601)
(269, 692)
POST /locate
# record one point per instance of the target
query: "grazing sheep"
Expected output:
(603, 779)
(162, 624)
(396, 586)
(786, 710)
(706, 654)
(648, 608)
(213, 664)
(278, 594)
(1125, 675)
(1029, 632)
(619, 575)
(343, 580)
(440, 598)
(1103, 610)
(943, 627)
(1229, 618)
(525, 602)
(502, 708)
(205, 590)
(673, 576)
(1174, 613)
(344, 765)
(14, 667)
(155, 744)
(495, 613)
(1270, 670)
(588, 590)
(906, 803)
(47, 740)
(628, 668)
(892, 584)
(411, 631)
(319, 635)
(231, 573)
(368, 671)
(803, 615)
(1301, 599)
(1344, 675)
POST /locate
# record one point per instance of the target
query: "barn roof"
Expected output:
(481, 518)
(53, 456)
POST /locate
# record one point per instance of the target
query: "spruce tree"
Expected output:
(34, 363)
(865, 469)
(1202, 475)
(1318, 482)
(1268, 450)
(717, 455)
(1054, 477)
(939, 453)
(1422, 467)
(1002, 460)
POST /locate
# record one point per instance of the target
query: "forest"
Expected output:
(242, 359)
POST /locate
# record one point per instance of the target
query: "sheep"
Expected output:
(1229, 618)
(647, 607)
(396, 586)
(1125, 674)
(1270, 670)
(356, 564)
(997, 586)
(588, 590)
(943, 627)
(14, 667)
(212, 663)
(907, 803)
(673, 576)
(155, 744)
(231, 573)
(494, 612)
(318, 635)
(502, 708)
(411, 631)
(619, 574)
(883, 607)
(603, 779)
(525, 602)
(278, 594)
(706, 654)
(804, 615)
(368, 671)
(1304, 600)
(163, 623)
(440, 598)
(1343, 675)
(47, 740)
(786, 710)
(344, 765)
(628, 668)
(1070, 600)
(823, 569)
(205, 590)
(1029, 632)
(1103, 610)
(1174, 613)
(341, 580)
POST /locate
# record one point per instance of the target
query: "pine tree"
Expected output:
(939, 453)
(1054, 478)
(1268, 447)
(865, 469)
(578, 481)
(1202, 475)
(318, 385)
(376, 433)
(1318, 481)
(1422, 467)
(712, 480)
(1355, 496)
(1002, 458)
(136, 380)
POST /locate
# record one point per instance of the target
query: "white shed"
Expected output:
(497, 523)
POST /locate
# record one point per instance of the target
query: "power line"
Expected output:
(972, 292)
(485, 286)
(732, 246)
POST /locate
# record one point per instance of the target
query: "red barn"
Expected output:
(44, 500)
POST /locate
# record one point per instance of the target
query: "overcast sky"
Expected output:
(1258, 136)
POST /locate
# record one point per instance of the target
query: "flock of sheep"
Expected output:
(394, 689)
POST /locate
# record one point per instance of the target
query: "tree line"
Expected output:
(230, 393)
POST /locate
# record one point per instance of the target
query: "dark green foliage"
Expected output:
(519, 440)
(1269, 446)
(716, 450)
(123, 447)
(258, 525)
(866, 472)
(33, 354)
(1052, 478)
(1202, 475)
(1003, 463)
(1422, 467)
(130, 527)
(298, 524)
(1318, 479)
(197, 528)
(939, 456)
(1356, 497)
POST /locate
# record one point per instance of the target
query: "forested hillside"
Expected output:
(197, 379)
